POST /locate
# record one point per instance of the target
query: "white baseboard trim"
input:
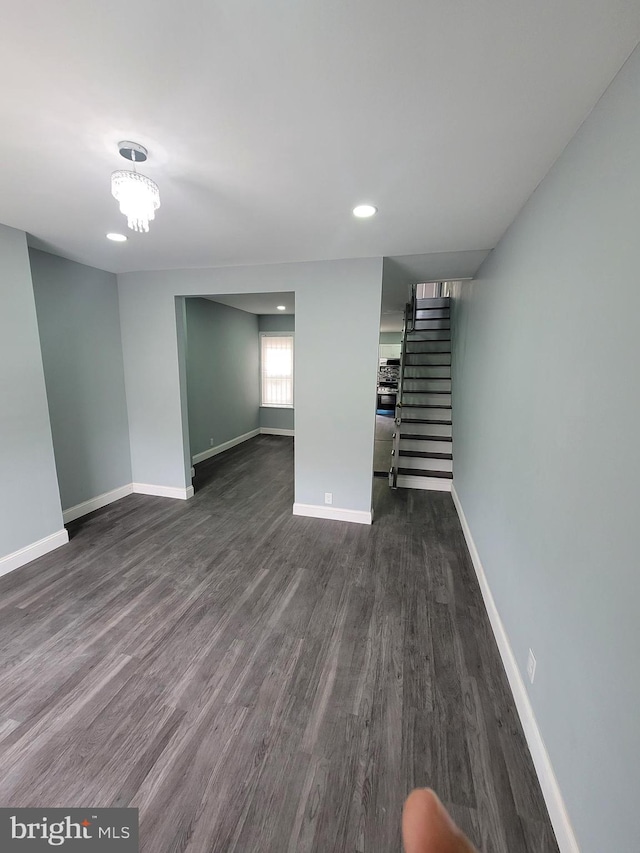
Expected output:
(560, 821)
(163, 491)
(275, 431)
(32, 552)
(220, 448)
(98, 502)
(109, 497)
(333, 513)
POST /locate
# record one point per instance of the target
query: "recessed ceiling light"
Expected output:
(362, 211)
(117, 238)
(282, 307)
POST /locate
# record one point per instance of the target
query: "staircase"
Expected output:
(422, 456)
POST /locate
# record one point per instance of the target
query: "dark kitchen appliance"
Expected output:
(388, 375)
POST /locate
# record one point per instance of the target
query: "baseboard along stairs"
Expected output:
(422, 455)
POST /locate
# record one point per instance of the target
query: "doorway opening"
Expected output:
(390, 365)
(239, 359)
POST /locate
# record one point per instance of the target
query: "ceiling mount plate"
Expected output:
(132, 151)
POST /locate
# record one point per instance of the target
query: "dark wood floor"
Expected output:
(254, 681)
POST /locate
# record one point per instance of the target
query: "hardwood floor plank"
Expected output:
(312, 794)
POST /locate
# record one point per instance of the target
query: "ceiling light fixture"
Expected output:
(282, 307)
(139, 196)
(117, 238)
(362, 211)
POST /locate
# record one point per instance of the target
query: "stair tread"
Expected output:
(423, 406)
(424, 421)
(419, 472)
(425, 454)
(417, 436)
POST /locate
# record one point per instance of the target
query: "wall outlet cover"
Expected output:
(328, 497)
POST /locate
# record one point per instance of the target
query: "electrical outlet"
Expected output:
(210, 442)
(328, 497)
(531, 666)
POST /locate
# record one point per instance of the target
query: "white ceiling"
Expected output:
(267, 122)
(399, 273)
(259, 303)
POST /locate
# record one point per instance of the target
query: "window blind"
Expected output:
(276, 370)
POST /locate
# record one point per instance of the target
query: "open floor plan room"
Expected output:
(254, 681)
(319, 417)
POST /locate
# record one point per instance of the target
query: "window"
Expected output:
(276, 370)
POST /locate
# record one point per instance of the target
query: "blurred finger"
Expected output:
(428, 828)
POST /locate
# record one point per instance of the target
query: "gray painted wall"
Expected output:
(547, 457)
(277, 322)
(223, 388)
(270, 417)
(29, 498)
(79, 326)
(273, 418)
(335, 399)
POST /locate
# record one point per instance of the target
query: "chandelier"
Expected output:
(139, 196)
